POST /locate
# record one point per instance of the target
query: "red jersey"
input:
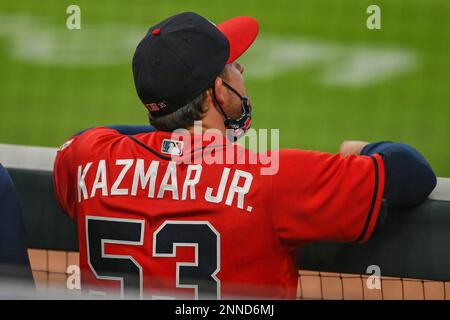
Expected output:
(164, 217)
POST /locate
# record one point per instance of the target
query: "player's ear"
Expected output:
(219, 91)
(207, 99)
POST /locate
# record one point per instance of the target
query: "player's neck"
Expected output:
(212, 120)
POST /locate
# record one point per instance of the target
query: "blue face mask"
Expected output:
(237, 127)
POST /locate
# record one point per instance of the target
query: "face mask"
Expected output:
(237, 127)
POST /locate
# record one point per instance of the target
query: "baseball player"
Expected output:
(158, 218)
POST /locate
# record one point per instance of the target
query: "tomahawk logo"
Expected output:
(172, 147)
(65, 145)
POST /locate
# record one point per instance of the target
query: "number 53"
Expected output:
(199, 275)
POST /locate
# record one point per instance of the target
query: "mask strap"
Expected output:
(220, 107)
(232, 89)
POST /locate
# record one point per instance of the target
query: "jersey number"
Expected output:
(199, 275)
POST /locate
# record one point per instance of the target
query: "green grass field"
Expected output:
(316, 72)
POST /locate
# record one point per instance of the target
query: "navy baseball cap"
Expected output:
(181, 56)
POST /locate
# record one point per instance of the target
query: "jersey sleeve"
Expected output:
(324, 197)
(63, 176)
(69, 156)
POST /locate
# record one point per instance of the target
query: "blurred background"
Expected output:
(315, 72)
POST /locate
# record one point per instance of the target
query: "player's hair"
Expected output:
(181, 118)
(185, 116)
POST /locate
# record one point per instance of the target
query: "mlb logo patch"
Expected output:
(172, 147)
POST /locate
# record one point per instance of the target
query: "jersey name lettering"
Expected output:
(94, 180)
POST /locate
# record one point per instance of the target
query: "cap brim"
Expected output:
(240, 32)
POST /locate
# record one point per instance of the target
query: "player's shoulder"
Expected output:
(88, 137)
(81, 145)
(291, 152)
(268, 162)
(96, 132)
(318, 157)
(302, 156)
